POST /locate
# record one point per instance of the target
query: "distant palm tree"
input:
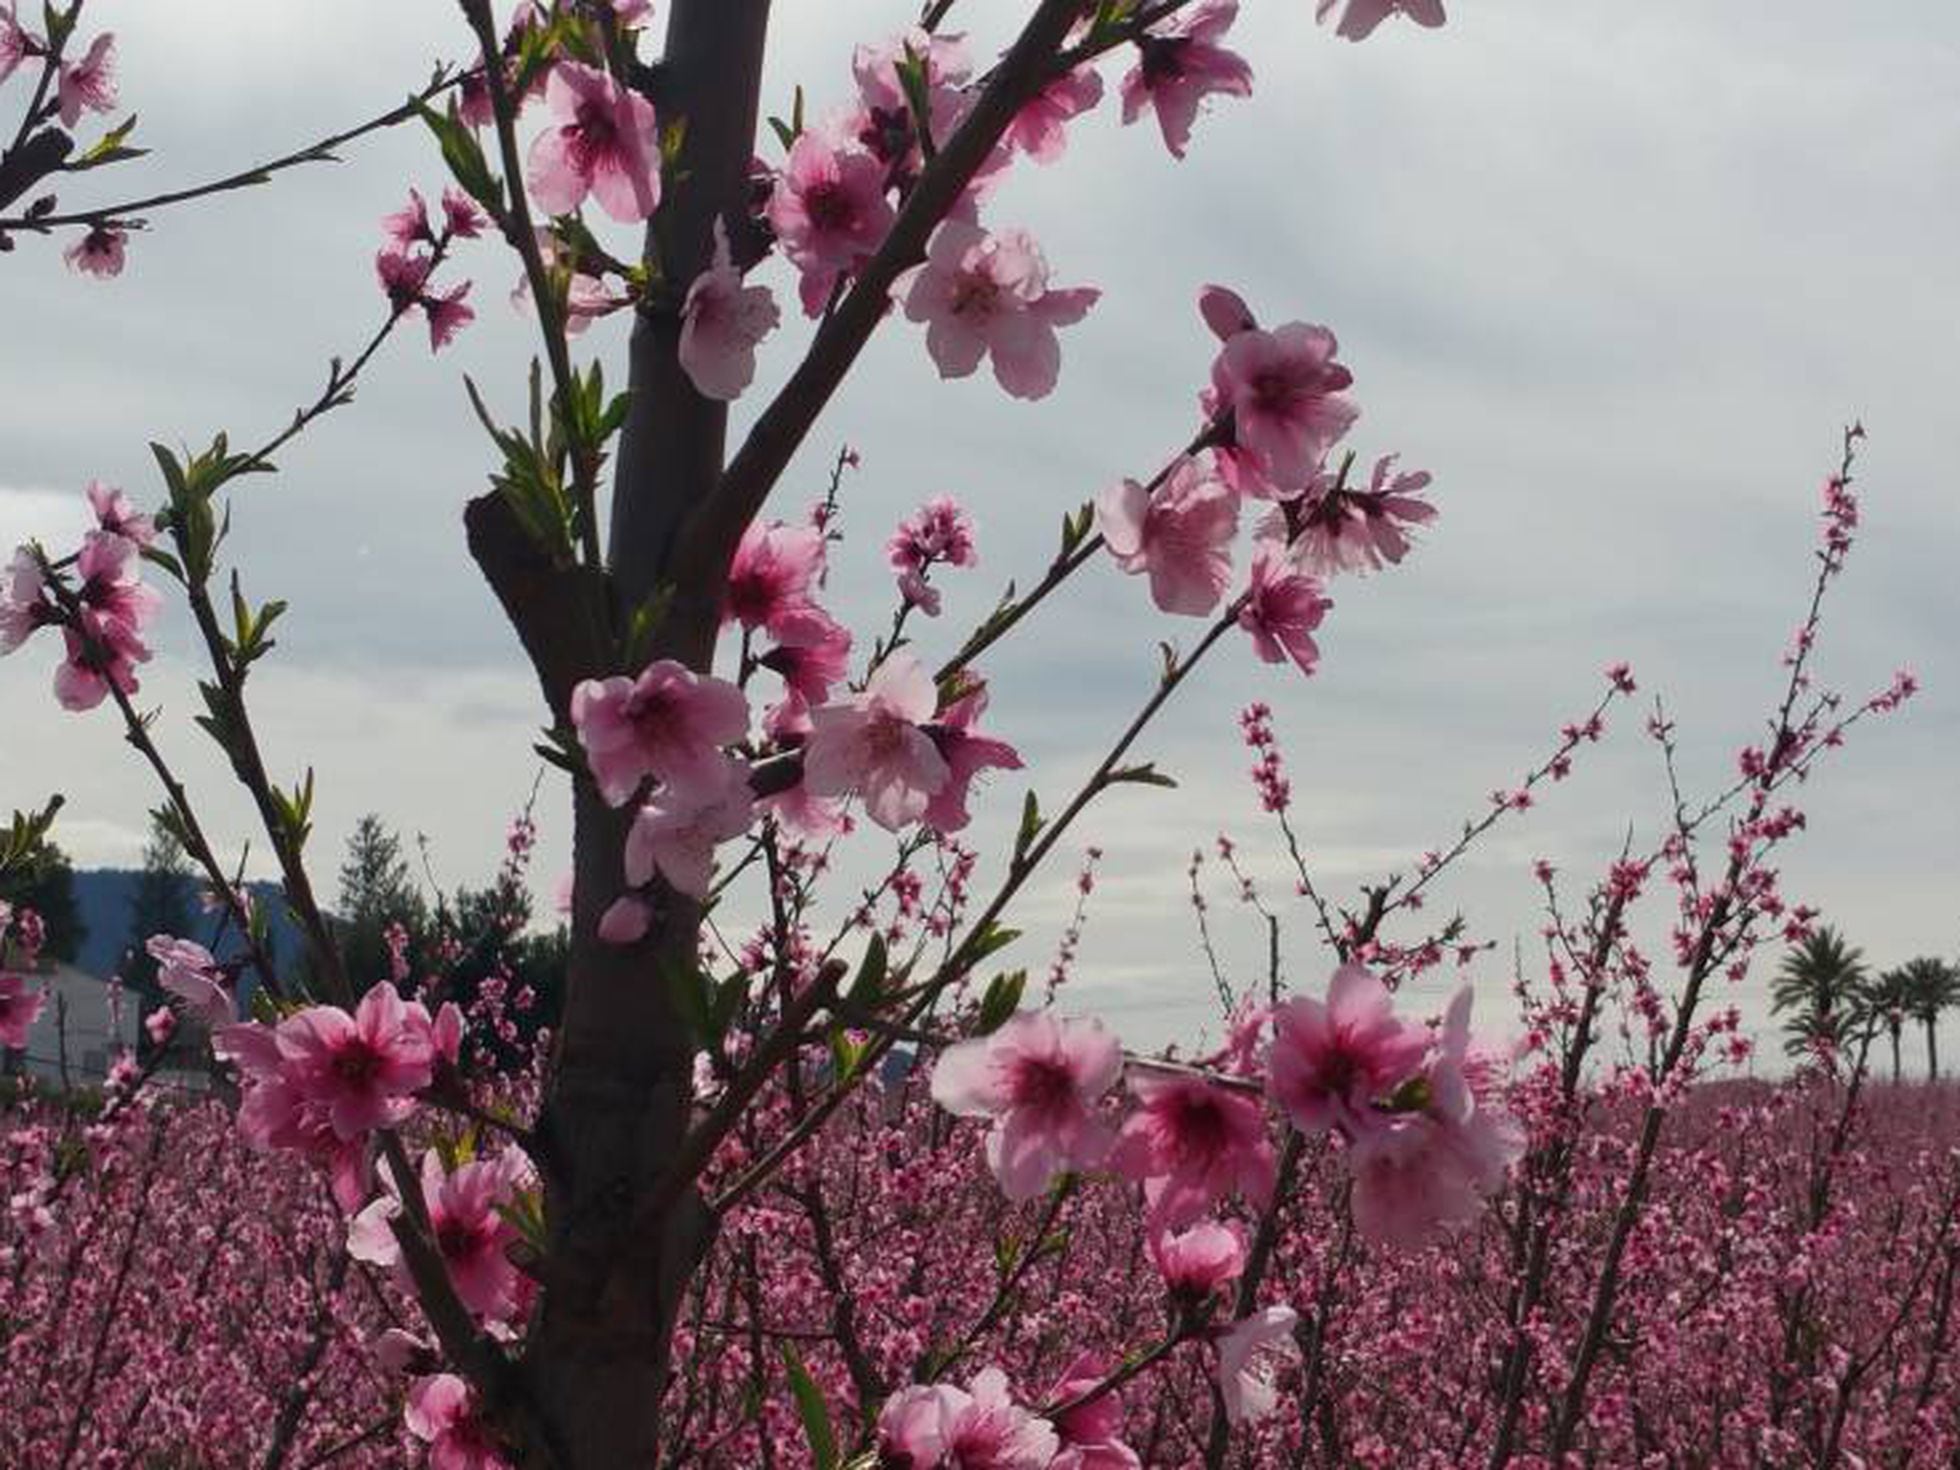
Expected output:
(1885, 1002)
(1932, 986)
(1818, 981)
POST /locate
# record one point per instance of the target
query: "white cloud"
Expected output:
(1613, 273)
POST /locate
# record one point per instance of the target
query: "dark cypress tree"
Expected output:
(376, 891)
(44, 880)
(162, 903)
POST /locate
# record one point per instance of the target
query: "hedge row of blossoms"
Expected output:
(521, 1253)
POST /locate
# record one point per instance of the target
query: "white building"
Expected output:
(84, 1025)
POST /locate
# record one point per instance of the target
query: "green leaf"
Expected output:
(911, 69)
(173, 473)
(815, 1413)
(869, 982)
(26, 832)
(1146, 774)
(990, 940)
(524, 1212)
(156, 556)
(642, 624)
(1031, 825)
(109, 147)
(1002, 1000)
(464, 155)
(846, 1055)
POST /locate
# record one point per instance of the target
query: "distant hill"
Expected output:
(103, 897)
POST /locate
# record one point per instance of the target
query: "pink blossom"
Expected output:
(114, 514)
(787, 723)
(1358, 22)
(1283, 606)
(988, 295)
(1225, 312)
(1181, 65)
(1181, 536)
(966, 754)
(448, 314)
(1249, 1355)
(360, 1072)
(1199, 1261)
(99, 252)
(1390, 505)
(409, 226)
(1333, 1061)
(460, 215)
(771, 578)
(670, 723)
(875, 67)
(24, 602)
(19, 1008)
(401, 274)
(189, 972)
(1038, 128)
(1191, 1143)
(676, 832)
(1429, 1170)
(913, 1424)
(989, 1431)
(442, 1412)
(625, 920)
(603, 141)
(883, 122)
(107, 644)
(89, 84)
(938, 532)
(1091, 1434)
(722, 321)
(1281, 389)
(1038, 1077)
(1331, 529)
(466, 1221)
(814, 653)
(829, 212)
(874, 744)
(15, 43)
(586, 296)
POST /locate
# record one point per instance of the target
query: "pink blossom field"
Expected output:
(969, 566)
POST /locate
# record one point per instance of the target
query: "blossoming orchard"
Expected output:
(792, 1155)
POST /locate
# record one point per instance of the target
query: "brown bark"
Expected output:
(627, 1227)
(617, 1103)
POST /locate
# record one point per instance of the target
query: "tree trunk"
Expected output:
(620, 1088)
(1932, 1049)
(1896, 1028)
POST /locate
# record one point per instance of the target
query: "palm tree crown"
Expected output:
(1818, 981)
(1932, 986)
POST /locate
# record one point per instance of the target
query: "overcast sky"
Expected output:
(1614, 274)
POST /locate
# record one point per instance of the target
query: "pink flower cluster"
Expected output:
(1416, 1108)
(21, 1003)
(404, 268)
(468, 1213)
(938, 533)
(322, 1080)
(1276, 409)
(97, 598)
(669, 725)
(982, 295)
